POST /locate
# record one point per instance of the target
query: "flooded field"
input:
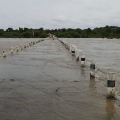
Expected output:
(44, 82)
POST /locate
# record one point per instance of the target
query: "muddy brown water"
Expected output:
(7, 43)
(105, 52)
(44, 82)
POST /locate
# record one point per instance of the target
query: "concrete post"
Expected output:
(92, 69)
(83, 60)
(111, 85)
(77, 54)
(11, 50)
(72, 49)
(4, 54)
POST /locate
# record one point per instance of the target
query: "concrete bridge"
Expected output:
(44, 82)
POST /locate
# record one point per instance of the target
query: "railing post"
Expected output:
(92, 69)
(83, 60)
(11, 50)
(78, 54)
(72, 50)
(111, 85)
(4, 54)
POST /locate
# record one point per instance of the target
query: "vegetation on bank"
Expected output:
(102, 32)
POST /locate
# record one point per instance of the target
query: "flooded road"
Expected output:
(7, 43)
(44, 82)
(105, 52)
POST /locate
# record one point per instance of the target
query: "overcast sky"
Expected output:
(59, 13)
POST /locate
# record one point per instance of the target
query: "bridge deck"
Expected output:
(44, 82)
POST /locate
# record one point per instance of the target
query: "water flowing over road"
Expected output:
(44, 82)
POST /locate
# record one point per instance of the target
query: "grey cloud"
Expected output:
(59, 13)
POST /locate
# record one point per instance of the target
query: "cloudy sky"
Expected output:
(59, 13)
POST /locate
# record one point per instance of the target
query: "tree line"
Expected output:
(101, 32)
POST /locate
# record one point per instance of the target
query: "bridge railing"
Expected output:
(95, 71)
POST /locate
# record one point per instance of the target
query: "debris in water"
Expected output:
(57, 89)
(12, 79)
(75, 81)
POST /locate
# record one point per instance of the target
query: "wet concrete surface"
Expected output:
(44, 82)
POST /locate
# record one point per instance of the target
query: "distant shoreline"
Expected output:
(109, 32)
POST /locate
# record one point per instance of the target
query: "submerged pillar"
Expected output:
(83, 60)
(92, 69)
(111, 85)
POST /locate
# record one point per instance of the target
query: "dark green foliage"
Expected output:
(102, 32)
(1, 32)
